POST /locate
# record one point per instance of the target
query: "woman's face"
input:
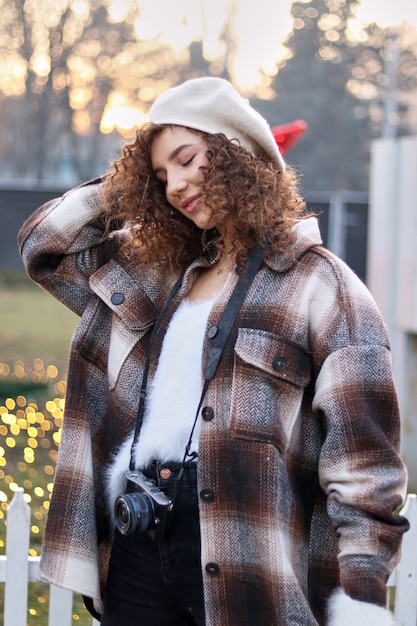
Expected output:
(178, 156)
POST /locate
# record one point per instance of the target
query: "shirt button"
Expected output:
(212, 569)
(212, 332)
(279, 363)
(117, 298)
(165, 473)
(207, 495)
(207, 413)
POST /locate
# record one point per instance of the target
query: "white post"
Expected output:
(17, 548)
(60, 606)
(392, 271)
(17, 569)
(406, 576)
(336, 229)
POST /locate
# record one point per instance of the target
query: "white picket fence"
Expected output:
(17, 569)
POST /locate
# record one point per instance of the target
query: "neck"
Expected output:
(226, 261)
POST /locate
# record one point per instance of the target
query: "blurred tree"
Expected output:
(72, 72)
(76, 76)
(337, 80)
(384, 79)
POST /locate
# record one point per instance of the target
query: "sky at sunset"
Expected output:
(261, 26)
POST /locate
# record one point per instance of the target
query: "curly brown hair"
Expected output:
(262, 202)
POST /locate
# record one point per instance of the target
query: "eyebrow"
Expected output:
(172, 155)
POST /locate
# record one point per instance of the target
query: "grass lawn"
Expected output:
(33, 325)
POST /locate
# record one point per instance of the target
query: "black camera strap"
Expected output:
(223, 329)
(218, 342)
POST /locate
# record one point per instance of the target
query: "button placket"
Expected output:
(207, 495)
(207, 413)
(212, 569)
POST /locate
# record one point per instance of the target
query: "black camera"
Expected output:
(144, 508)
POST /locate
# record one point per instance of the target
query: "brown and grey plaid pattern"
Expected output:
(301, 454)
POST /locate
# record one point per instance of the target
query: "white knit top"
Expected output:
(172, 399)
(175, 392)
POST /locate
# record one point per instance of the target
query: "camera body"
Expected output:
(143, 508)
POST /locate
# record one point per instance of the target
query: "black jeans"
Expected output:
(159, 584)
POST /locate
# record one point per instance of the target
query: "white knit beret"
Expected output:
(213, 105)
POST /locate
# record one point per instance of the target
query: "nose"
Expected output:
(175, 183)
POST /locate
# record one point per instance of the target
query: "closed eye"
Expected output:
(188, 162)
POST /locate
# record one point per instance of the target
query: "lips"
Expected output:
(189, 204)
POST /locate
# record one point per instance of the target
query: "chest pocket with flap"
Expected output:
(269, 378)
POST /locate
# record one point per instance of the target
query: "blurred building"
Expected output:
(392, 270)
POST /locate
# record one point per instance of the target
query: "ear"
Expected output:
(345, 611)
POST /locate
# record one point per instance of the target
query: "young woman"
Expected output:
(275, 470)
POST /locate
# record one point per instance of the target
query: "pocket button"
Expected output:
(279, 363)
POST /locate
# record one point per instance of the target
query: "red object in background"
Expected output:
(287, 135)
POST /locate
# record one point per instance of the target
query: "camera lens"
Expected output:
(134, 512)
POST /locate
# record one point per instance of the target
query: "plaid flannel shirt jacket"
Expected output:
(301, 455)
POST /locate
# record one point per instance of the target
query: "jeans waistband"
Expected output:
(165, 472)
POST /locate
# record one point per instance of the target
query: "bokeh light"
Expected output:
(30, 427)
